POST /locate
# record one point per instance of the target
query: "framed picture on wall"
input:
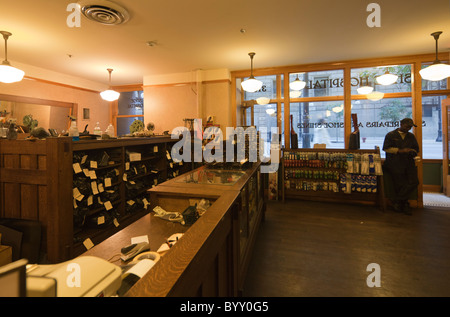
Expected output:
(86, 114)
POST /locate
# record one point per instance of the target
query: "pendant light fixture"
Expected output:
(262, 101)
(9, 74)
(251, 84)
(387, 78)
(438, 70)
(110, 95)
(297, 84)
(364, 90)
(375, 95)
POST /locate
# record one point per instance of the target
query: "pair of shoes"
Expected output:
(407, 209)
(398, 207)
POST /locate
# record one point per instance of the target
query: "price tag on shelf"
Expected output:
(100, 220)
(94, 187)
(90, 200)
(76, 192)
(77, 168)
(88, 244)
(108, 205)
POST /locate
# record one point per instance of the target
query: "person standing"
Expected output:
(401, 148)
(321, 135)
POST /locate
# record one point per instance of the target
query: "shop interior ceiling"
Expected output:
(165, 37)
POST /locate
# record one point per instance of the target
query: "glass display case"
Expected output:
(210, 176)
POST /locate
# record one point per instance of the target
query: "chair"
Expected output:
(30, 244)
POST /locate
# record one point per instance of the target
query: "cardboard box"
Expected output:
(5, 254)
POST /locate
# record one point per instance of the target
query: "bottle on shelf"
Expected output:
(98, 130)
(110, 130)
(73, 131)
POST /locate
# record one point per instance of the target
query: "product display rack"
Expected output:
(333, 175)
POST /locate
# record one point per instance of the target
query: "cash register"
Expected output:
(84, 276)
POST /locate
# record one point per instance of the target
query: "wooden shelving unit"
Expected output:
(37, 181)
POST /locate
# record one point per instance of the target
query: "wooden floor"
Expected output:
(315, 249)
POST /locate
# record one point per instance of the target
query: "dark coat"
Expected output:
(400, 161)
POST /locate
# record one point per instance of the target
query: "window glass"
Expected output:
(377, 118)
(268, 89)
(432, 127)
(433, 85)
(124, 123)
(319, 84)
(362, 77)
(131, 103)
(265, 118)
(319, 122)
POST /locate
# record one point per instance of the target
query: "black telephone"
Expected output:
(134, 249)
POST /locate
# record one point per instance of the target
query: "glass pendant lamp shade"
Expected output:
(262, 100)
(9, 74)
(251, 84)
(295, 93)
(297, 84)
(375, 96)
(387, 79)
(437, 71)
(110, 95)
(364, 90)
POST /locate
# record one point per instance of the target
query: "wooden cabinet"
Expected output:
(333, 175)
(38, 178)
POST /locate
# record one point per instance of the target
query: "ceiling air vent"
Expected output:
(104, 12)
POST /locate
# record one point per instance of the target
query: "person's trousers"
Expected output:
(405, 182)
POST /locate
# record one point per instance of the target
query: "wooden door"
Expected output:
(446, 143)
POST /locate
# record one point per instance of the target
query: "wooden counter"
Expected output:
(210, 259)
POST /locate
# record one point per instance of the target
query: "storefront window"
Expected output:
(129, 103)
(268, 89)
(319, 84)
(363, 77)
(265, 119)
(377, 118)
(124, 123)
(432, 127)
(319, 122)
